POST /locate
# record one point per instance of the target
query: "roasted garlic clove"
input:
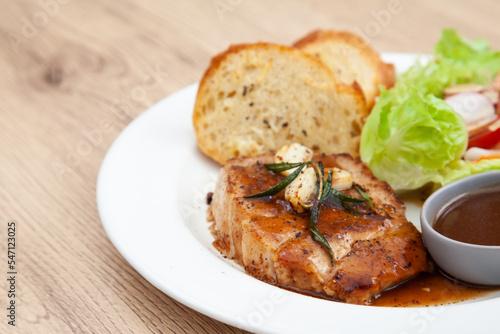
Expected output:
(341, 179)
(292, 153)
(301, 191)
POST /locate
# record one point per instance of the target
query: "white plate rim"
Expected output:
(149, 213)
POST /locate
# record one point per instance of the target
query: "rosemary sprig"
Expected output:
(348, 207)
(319, 175)
(320, 238)
(313, 220)
(344, 198)
(321, 167)
(327, 187)
(282, 185)
(342, 201)
(364, 195)
(281, 167)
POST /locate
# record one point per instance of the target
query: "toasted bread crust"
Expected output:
(328, 44)
(256, 97)
(326, 35)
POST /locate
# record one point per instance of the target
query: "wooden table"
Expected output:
(75, 73)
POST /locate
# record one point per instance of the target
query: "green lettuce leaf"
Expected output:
(412, 137)
(474, 54)
(461, 168)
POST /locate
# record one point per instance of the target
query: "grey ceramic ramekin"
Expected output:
(471, 263)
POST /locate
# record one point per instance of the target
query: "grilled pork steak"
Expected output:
(372, 251)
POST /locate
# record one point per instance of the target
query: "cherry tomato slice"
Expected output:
(486, 137)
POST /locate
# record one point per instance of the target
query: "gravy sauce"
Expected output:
(430, 289)
(473, 218)
(427, 289)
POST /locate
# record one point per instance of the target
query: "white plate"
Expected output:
(151, 197)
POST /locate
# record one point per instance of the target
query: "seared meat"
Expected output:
(372, 251)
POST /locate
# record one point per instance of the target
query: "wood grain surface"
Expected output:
(73, 74)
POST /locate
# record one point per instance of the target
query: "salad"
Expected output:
(420, 130)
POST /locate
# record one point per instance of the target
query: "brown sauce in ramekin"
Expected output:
(473, 218)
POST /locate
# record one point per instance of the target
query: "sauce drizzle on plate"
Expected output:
(430, 289)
